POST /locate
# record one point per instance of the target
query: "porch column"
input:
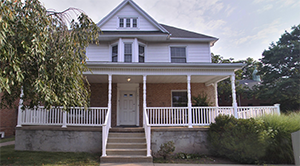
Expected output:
(216, 94)
(234, 103)
(19, 123)
(144, 98)
(189, 101)
(109, 97)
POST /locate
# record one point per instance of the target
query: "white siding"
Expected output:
(98, 52)
(160, 52)
(128, 11)
(198, 52)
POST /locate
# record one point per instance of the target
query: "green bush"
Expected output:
(266, 139)
(241, 140)
(280, 127)
(166, 149)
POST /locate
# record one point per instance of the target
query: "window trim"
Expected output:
(182, 46)
(125, 18)
(178, 91)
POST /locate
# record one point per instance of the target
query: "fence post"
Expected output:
(64, 120)
(234, 103)
(278, 108)
(20, 112)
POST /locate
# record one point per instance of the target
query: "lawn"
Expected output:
(7, 139)
(8, 156)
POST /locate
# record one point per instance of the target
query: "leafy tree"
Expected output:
(281, 65)
(43, 55)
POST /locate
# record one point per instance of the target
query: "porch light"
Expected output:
(128, 79)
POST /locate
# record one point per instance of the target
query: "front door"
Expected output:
(128, 108)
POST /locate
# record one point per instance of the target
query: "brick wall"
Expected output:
(8, 119)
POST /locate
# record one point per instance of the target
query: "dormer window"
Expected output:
(128, 22)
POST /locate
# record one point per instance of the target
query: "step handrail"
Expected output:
(105, 131)
(147, 129)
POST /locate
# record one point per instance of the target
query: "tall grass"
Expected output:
(279, 129)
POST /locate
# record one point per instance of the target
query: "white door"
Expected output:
(127, 108)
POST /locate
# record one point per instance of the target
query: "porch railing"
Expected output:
(147, 129)
(93, 116)
(105, 131)
(178, 116)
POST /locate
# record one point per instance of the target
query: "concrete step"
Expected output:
(126, 152)
(126, 159)
(127, 130)
(118, 134)
(126, 140)
(126, 145)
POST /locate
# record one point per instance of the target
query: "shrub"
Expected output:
(166, 149)
(200, 100)
(280, 127)
(241, 140)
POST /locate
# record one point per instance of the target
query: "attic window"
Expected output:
(128, 22)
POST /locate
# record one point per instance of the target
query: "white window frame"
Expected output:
(125, 18)
(111, 51)
(182, 46)
(132, 51)
(138, 56)
(177, 91)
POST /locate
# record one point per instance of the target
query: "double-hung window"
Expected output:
(114, 53)
(141, 54)
(127, 52)
(179, 99)
(178, 55)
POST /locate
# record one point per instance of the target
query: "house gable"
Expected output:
(128, 10)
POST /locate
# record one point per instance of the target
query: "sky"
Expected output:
(245, 28)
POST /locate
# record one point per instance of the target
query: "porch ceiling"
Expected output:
(155, 79)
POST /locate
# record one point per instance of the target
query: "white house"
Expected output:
(143, 74)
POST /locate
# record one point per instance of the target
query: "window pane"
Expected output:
(127, 52)
(178, 55)
(115, 53)
(134, 22)
(179, 99)
(127, 22)
(141, 54)
(121, 22)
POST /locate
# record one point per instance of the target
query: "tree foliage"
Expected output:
(281, 65)
(224, 87)
(42, 55)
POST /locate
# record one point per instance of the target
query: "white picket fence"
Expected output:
(93, 116)
(201, 116)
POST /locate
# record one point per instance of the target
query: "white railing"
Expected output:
(147, 129)
(165, 116)
(202, 116)
(252, 112)
(105, 131)
(93, 116)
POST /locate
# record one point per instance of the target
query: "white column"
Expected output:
(109, 97)
(234, 103)
(216, 94)
(278, 108)
(19, 124)
(189, 101)
(135, 50)
(144, 97)
(121, 50)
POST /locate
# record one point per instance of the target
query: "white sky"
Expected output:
(245, 28)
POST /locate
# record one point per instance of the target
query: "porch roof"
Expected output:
(207, 73)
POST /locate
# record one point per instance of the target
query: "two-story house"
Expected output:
(143, 75)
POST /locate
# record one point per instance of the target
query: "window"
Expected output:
(141, 54)
(128, 22)
(179, 99)
(134, 22)
(127, 52)
(121, 22)
(114, 53)
(178, 55)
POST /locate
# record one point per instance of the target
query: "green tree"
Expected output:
(281, 65)
(44, 55)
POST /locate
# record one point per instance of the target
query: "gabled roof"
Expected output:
(136, 7)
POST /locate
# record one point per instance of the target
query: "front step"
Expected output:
(126, 145)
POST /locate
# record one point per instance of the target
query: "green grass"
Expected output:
(7, 139)
(8, 156)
